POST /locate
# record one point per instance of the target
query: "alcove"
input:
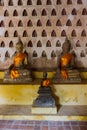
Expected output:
(58, 2)
(79, 23)
(34, 13)
(29, 2)
(44, 13)
(25, 33)
(15, 33)
(79, 1)
(63, 33)
(53, 13)
(24, 13)
(73, 33)
(7, 55)
(58, 23)
(2, 24)
(74, 12)
(11, 44)
(53, 54)
(48, 2)
(20, 2)
(34, 33)
(10, 3)
(6, 34)
(84, 11)
(15, 13)
(82, 54)
(44, 54)
(39, 44)
(53, 33)
(39, 23)
(30, 44)
(48, 23)
(34, 54)
(63, 11)
(44, 34)
(6, 13)
(86, 44)
(69, 2)
(29, 23)
(39, 2)
(78, 44)
(68, 23)
(83, 33)
(1, 3)
(48, 44)
(2, 44)
(58, 44)
(11, 23)
(20, 24)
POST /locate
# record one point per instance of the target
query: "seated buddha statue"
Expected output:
(19, 70)
(66, 71)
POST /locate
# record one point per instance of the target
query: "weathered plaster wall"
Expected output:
(25, 94)
(43, 26)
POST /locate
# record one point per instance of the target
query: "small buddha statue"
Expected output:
(45, 97)
(19, 69)
(66, 71)
(45, 82)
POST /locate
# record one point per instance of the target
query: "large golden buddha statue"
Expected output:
(66, 71)
(19, 69)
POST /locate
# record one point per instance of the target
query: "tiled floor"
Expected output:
(41, 125)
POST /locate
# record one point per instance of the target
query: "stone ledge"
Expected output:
(23, 112)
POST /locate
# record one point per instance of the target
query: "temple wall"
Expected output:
(42, 27)
(25, 94)
(69, 94)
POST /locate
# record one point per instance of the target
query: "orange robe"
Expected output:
(65, 60)
(18, 58)
(46, 83)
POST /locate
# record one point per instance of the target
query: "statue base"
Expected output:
(73, 77)
(44, 103)
(24, 76)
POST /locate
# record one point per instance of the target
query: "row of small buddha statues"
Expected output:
(19, 70)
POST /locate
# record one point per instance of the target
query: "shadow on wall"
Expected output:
(55, 97)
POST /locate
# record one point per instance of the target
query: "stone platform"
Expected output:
(16, 101)
(23, 112)
(44, 110)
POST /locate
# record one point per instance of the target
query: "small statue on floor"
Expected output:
(66, 71)
(19, 69)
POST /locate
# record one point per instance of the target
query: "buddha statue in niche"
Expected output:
(66, 71)
(19, 69)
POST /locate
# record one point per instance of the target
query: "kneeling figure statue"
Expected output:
(19, 69)
(66, 71)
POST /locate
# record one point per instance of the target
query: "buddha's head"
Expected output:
(66, 46)
(19, 46)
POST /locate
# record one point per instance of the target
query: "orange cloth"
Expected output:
(18, 58)
(65, 60)
(46, 83)
(64, 74)
(14, 74)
